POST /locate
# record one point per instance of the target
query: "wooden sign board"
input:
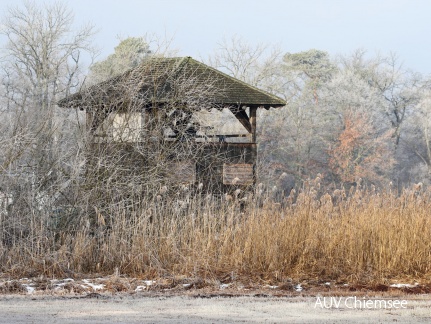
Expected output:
(238, 174)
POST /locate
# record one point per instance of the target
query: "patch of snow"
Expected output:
(272, 287)
(140, 288)
(59, 286)
(91, 285)
(29, 288)
(404, 285)
(327, 283)
(149, 282)
(224, 286)
(186, 285)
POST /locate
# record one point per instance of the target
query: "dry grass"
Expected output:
(368, 237)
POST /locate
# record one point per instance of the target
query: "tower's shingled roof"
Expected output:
(156, 77)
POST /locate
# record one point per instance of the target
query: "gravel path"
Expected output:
(97, 308)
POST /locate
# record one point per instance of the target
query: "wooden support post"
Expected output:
(144, 123)
(89, 120)
(253, 112)
(95, 118)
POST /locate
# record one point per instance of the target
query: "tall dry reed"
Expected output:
(354, 236)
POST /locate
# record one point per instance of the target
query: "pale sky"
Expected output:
(335, 26)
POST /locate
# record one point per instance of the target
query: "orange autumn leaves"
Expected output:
(360, 151)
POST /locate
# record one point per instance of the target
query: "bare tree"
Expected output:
(295, 137)
(397, 86)
(43, 51)
(42, 62)
(258, 65)
(417, 139)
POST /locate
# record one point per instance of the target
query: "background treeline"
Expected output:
(349, 117)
